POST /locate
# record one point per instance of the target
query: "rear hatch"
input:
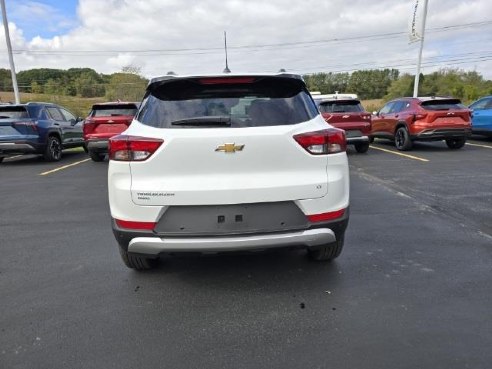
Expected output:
(15, 124)
(227, 141)
(346, 114)
(446, 113)
(107, 120)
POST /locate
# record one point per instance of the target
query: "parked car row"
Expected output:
(407, 120)
(47, 129)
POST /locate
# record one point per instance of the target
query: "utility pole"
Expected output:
(419, 62)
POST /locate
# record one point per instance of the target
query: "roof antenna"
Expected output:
(226, 69)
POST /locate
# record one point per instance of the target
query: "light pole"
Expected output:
(9, 49)
(419, 62)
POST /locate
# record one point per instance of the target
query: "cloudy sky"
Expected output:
(302, 36)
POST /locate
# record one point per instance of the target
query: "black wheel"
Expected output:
(95, 156)
(456, 143)
(85, 149)
(362, 147)
(402, 139)
(137, 262)
(327, 252)
(53, 151)
(371, 139)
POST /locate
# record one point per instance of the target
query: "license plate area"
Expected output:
(231, 219)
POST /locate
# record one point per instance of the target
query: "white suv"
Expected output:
(228, 163)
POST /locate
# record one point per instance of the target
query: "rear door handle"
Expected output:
(56, 124)
(396, 116)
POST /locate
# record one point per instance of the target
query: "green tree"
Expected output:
(88, 85)
(36, 88)
(126, 87)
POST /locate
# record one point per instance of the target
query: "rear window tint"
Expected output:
(113, 110)
(13, 112)
(203, 103)
(444, 104)
(340, 107)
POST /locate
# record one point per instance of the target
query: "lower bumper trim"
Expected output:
(98, 146)
(352, 140)
(12, 147)
(156, 245)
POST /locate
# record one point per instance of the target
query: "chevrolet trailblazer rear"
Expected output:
(228, 163)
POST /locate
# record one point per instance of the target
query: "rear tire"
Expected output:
(327, 252)
(362, 147)
(137, 262)
(455, 143)
(53, 151)
(95, 156)
(402, 139)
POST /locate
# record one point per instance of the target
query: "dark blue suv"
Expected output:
(38, 128)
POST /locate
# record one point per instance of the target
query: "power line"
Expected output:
(272, 46)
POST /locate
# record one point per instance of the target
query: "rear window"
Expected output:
(113, 110)
(13, 112)
(340, 107)
(444, 104)
(227, 102)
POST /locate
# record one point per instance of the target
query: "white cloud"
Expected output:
(108, 31)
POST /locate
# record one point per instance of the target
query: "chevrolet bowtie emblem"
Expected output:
(229, 147)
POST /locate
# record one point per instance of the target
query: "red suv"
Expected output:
(349, 115)
(105, 121)
(423, 119)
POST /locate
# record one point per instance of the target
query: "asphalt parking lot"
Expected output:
(411, 289)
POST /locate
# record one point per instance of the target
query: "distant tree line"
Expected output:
(388, 84)
(81, 82)
(128, 84)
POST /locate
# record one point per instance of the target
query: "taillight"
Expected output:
(323, 217)
(127, 224)
(132, 148)
(327, 141)
(29, 124)
(419, 116)
(88, 127)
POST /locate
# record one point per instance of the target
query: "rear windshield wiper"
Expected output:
(204, 121)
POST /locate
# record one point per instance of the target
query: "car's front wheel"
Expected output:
(95, 156)
(327, 252)
(137, 262)
(456, 143)
(53, 151)
(402, 139)
(362, 147)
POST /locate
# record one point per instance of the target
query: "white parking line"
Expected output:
(400, 154)
(63, 167)
(486, 146)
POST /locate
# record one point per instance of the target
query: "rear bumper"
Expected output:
(13, 148)
(98, 145)
(441, 134)
(148, 243)
(156, 246)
